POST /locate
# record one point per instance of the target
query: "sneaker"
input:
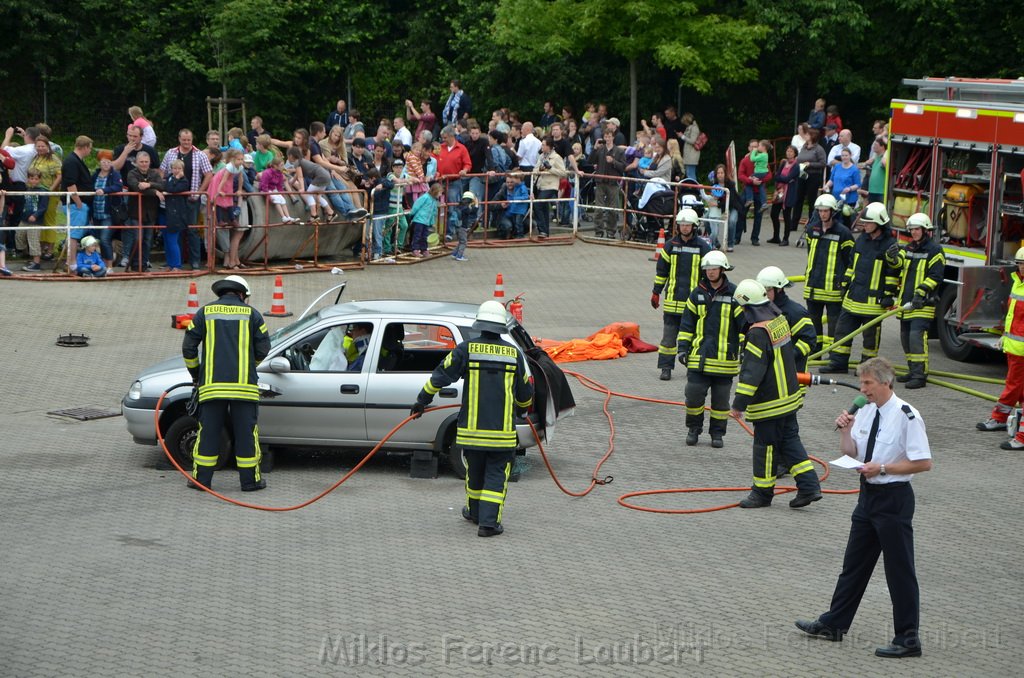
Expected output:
(4, 271)
(1012, 444)
(461, 259)
(765, 207)
(356, 214)
(33, 267)
(989, 424)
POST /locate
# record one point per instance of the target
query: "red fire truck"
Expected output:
(956, 152)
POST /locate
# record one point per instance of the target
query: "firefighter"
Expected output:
(354, 346)
(234, 340)
(770, 395)
(801, 328)
(497, 390)
(709, 341)
(1011, 343)
(679, 267)
(922, 264)
(870, 287)
(829, 255)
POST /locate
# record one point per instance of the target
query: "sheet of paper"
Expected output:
(846, 461)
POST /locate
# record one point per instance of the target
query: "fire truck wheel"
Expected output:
(949, 334)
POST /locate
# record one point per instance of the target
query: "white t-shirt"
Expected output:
(838, 148)
(404, 137)
(529, 149)
(23, 156)
(901, 436)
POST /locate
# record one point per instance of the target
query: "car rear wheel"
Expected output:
(181, 440)
(453, 454)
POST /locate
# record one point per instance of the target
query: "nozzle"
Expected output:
(808, 379)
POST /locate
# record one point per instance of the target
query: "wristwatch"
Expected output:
(881, 470)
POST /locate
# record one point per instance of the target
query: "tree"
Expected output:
(688, 36)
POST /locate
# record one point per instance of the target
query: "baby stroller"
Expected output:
(658, 199)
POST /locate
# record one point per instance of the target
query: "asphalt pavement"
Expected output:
(110, 567)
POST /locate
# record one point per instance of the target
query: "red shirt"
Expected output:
(453, 160)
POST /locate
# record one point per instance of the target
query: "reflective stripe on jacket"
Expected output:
(234, 340)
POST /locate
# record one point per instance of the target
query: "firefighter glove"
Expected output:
(917, 301)
(654, 301)
(886, 301)
(417, 410)
(683, 356)
(893, 252)
(194, 373)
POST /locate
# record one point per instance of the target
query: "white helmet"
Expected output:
(920, 220)
(490, 317)
(232, 283)
(772, 276)
(826, 201)
(750, 293)
(1019, 256)
(876, 214)
(687, 215)
(715, 259)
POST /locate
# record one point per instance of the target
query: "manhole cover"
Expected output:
(73, 340)
(86, 413)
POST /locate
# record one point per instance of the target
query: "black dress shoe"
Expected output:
(816, 628)
(756, 500)
(666, 374)
(784, 243)
(490, 531)
(467, 515)
(801, 500)
(773, 241)
(898, 651)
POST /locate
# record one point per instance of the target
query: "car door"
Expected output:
(394, 384)
(321, 399)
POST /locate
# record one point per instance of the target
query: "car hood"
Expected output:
(172, 364)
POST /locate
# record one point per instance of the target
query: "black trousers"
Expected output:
(914, 337)
(668, 350)
(487, 474)
(882, 523)
(697, 386)
(831, 310)
(777, 444)
(241, 416)
(849, 322)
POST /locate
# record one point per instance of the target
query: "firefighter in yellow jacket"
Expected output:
(922, 264)
(234, 340)
(709, 346)
(497, 388)
(676, 273)
(770, 395)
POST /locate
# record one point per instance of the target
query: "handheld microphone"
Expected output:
(858, 402)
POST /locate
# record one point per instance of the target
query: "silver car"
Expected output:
(311, 397)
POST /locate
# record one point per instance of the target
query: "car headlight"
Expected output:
(135, 392)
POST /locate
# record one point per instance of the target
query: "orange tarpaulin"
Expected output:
(613, 341)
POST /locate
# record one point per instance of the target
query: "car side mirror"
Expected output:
(277, 365)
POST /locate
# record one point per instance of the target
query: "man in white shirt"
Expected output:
(402, 134)
(845, 141)
(889, 436)
(529, 148)
(23, 156)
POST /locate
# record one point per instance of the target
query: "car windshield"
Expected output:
(285, 334)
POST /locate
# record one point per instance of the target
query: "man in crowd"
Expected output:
(125, 154)
(478, 148)
(75, 176)
(608, 160)
(198, 171)
(458, 105)
(452, 165)
(845, 140)
(23, 156)
(339, 116)
(402, 134)
(425, 119)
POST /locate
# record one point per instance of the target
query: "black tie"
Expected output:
(871, 436)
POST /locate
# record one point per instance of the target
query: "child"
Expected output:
(516, 204)
(263, 154)
(379, 189)
(31, 219)
(394, 242)
(760, 159)
(138, 120)
(176, 200)
(423, 215)
(467, 211)
(235, 136)
(223, 190)
(272, 182)
(832, 117)
(90, 262)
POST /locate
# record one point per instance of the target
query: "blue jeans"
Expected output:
(453, 197)
(106, 236)
(341, 201)
(378, 223)
(733, 220)
(129, 236)
(461, 234)
(691, 171)
(478, 185)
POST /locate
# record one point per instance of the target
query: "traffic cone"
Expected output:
(277, 309)
(661, 245)
(499, 288)
(192, 304)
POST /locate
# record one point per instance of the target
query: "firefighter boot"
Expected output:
(247, 476)
(691, 436)
(918, 379)
(204, 475)
(757, 499)
(666, 374)
(716, 440)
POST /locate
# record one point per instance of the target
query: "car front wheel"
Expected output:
(181, 440)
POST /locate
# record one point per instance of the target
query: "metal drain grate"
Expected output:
(86, 413)
(73, 340)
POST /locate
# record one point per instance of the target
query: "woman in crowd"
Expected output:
(48, 164)
(799, 139)
(691, 156)
(661, 161)
(786, 179)
(724, 191)
(678, 166)
(811, 159)
(844, 182)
